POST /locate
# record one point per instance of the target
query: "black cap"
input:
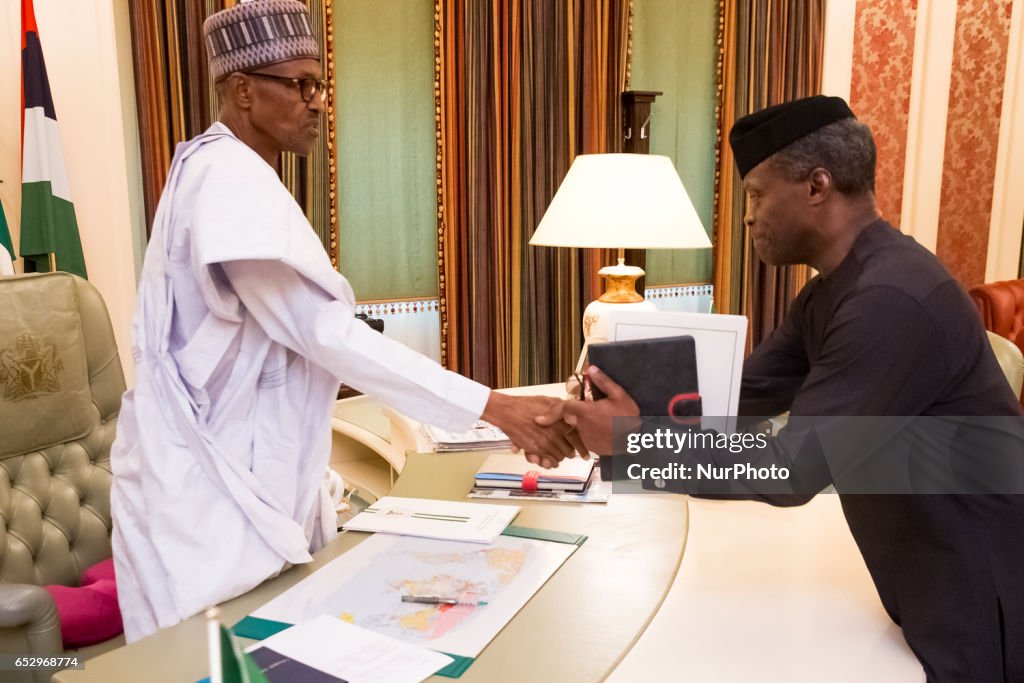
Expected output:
(757, 136)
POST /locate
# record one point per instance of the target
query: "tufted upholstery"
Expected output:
(60, 393)
(1001, 305)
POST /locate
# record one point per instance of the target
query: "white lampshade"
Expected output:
(621, 201)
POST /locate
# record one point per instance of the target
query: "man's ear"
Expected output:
(819, 185)
(239, 90)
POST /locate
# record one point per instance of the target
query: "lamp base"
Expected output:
(596, 318)
(620, 283)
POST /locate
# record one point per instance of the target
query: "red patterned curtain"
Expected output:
(522, 87)
(771, 53)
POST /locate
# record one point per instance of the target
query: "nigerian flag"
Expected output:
(6, 248)
(228, 663)
(48, 222)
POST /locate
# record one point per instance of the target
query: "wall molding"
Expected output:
(1007, 224)
(380, 309)
(695, 298)
(415, 322)
(837, 57)
(926, 128)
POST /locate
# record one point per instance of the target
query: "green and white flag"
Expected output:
(6, 248)
(228, 663)
(48, 224)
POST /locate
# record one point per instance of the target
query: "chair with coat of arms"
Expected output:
(60, 392)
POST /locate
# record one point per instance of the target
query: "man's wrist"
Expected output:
(495, 407)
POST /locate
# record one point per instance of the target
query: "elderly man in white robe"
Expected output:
(242, 332)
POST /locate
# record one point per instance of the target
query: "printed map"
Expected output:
(365, 585)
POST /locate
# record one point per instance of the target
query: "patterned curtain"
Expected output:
(171, 84)
(522, 86)
(176, 102)
(771, 53)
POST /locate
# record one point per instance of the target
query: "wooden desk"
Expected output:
(776, 595)
(576, 628)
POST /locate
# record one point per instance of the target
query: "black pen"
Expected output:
(439, 600)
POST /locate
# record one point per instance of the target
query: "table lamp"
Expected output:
(620, 201)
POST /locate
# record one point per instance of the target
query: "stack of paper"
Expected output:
(327, 649)
(506, 470)
(473, 522)
(482, 437)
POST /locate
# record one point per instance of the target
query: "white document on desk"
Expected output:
(352, 654)
(482, 436)
(720, 342)
(365, 587)
(442, 519)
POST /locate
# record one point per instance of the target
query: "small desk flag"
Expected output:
(48, 224)
(228, 663)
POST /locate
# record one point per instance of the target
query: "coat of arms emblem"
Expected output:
(30, 369)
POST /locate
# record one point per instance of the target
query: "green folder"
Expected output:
(258, 629)
(544, 535)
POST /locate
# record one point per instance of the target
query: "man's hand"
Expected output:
(593, 419)
(544, 444)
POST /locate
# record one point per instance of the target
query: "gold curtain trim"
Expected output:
(332, 149)
(628, 80)
(724, 113)
(439, 180)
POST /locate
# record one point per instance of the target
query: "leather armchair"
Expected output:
(1011, 360)
(1001, 305)
(60, 392)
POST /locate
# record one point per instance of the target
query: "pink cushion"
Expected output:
(99, 572)
(89, 613)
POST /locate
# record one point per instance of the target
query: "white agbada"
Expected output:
(242, 332)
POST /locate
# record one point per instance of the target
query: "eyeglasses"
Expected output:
(308, 87)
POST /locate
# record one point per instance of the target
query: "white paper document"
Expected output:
(720, 341)
(365, 587)
(483, 436)
(347, 652)
(442, 519)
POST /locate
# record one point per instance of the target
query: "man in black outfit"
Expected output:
(883, 330)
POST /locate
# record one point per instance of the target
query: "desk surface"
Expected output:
(577, 627)
(776, 595)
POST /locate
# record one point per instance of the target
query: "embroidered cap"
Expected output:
(257, 33)
(757, 136)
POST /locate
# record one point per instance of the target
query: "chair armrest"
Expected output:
(28, 619)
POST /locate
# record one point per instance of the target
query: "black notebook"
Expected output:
(660, 374)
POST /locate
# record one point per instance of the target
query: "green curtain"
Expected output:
(674, 52)
(384, 56)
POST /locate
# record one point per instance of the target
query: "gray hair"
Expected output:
(844, 148)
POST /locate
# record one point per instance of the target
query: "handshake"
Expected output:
(548, 430)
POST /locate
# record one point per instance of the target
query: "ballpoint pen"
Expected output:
(439, 600)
